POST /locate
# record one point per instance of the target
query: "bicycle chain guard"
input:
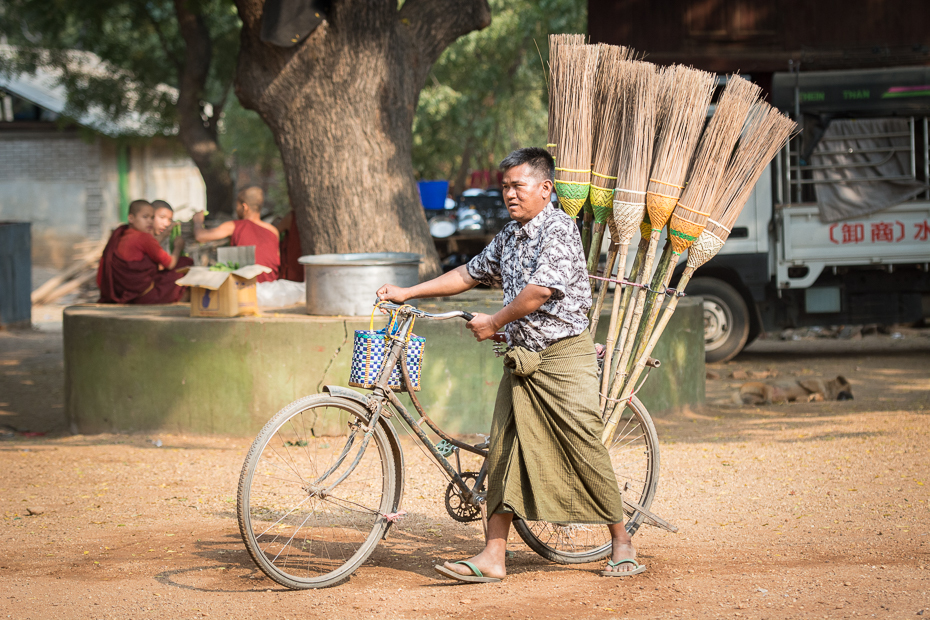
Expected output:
(456, 506)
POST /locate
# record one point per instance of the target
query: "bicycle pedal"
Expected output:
(445, 448)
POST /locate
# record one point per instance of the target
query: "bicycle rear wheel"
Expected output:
(311, 507)
(634, 453)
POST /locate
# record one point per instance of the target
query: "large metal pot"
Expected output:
(345, 284)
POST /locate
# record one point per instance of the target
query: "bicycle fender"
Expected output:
(358, 397)
(344, 392)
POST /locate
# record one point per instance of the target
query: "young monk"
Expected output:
(249, 229)
(134, 269)
(162, 227)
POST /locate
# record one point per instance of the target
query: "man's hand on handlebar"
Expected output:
(483, 326)
(390, 292)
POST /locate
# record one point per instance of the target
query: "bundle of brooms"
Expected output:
(648, 129)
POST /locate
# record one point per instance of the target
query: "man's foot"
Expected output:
(623, 560)
(484, 562)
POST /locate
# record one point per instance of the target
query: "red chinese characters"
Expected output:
(879, 232)
(849, 233)
(923, 231)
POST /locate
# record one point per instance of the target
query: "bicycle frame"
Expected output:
(382, 394)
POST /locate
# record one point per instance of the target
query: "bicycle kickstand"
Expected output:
(483, 507)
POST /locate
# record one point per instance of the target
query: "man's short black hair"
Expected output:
(137, 205)
(161, 204)
(539, 160)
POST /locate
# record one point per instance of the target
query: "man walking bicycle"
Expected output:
(545, 461)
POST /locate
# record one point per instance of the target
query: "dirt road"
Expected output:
(817, 510)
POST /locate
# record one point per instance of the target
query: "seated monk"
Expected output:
(290, 249)
(167, 231)
(134, 269)
(249, 229)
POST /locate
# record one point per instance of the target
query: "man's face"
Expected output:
(143, 220)
(525, 195)
(163, 219)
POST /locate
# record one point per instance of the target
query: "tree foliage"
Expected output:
(140, 44)
(140, 48)
(487, 93)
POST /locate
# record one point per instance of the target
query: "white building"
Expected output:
(74, 182)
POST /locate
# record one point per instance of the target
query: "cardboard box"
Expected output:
(223, 293)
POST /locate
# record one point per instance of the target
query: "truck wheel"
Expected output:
(726, 318)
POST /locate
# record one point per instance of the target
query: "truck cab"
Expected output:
(810, 248)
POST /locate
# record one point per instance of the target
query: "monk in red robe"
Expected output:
(291, 269)
(249, 229)
(134, 269)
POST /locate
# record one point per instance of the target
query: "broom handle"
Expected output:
(625, 338)
(618, 334)
(612, 329)
(594, 252)
(602, 292)
(586, 221)
(611, 424)
(620, 309)
(660, 282)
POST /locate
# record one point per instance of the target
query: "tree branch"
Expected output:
(436, 24)
(162, 39)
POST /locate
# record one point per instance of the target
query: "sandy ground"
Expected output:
(815, 510)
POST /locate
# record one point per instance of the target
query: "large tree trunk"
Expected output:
(199, 136)
(341, 107)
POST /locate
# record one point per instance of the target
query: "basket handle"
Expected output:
(371, 323)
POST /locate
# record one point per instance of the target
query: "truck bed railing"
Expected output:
(793, 176)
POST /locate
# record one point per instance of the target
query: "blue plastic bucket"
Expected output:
(433, 194)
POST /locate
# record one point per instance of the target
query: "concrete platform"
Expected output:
(130, 368)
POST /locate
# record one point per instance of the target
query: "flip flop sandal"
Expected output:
(637, 569)
(475, 577)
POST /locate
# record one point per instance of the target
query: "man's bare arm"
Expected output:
(529, 300)
(202, 235)
(450, 283)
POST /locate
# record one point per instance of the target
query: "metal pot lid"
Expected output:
(442, 227)
(361, 259)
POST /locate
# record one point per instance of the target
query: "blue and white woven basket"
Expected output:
(368, 354)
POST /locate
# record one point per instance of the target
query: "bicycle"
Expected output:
(313, 506)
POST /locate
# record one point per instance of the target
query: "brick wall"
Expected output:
(48, 162)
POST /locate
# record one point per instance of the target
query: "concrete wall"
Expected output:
(143, 369)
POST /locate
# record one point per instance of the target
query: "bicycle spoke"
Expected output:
(301, 532)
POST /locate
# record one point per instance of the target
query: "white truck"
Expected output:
(782, 265)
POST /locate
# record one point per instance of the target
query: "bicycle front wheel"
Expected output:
(634, 453)
(312, 504)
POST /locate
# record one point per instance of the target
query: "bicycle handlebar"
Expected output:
(428, 315)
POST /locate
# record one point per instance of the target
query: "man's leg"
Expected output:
(622, 548)
(491, 561)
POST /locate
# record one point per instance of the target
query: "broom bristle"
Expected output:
(612, 77)
(766, 132)
(713, 152)
(685, 107)
(637, 132)
(574, 130)
(556, 43)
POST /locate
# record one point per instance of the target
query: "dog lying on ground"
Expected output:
(804, 390)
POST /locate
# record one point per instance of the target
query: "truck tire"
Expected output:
(726, 318)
